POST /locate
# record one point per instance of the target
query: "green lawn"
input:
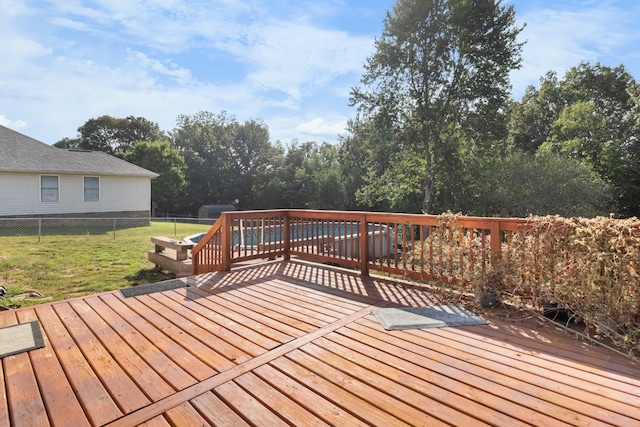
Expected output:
(66, 266)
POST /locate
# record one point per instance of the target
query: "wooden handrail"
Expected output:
(394, 242)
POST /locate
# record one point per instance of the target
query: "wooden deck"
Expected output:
(295, 344)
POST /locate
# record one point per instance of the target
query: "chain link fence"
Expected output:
(36, 228)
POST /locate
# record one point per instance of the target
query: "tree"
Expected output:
(590, 115)
(523, 184)
(440, 73)
(163, 159)
(117, 136)
(226, 160)
(531, 119)
(68, 143)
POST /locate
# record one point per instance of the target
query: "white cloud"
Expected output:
(560, 37)
(296, 58)
(319, 126)
(12, 124)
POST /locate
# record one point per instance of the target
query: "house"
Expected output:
(39, 180)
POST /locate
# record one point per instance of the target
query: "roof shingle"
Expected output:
(20, 153)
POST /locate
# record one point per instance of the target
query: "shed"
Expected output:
(214, 211)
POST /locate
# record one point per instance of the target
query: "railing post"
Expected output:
(363, 232)
(495, 235)
(195, 264)
(287, 237)
(226, 242)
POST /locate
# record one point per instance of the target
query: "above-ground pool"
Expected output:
(342, 232)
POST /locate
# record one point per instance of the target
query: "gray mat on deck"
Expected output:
(20, 338)
(167, 285)
(436, 316)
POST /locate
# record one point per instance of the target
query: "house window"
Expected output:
(49, 188)
(91, 189)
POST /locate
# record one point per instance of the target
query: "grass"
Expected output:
(65, 266)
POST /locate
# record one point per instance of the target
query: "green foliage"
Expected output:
(117, 136)
(160, 156)
(312, 177)
(590, 115)
(226, 160)
(440, 69)
(523, 184)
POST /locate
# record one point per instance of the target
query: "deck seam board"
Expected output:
(147, 379)
(180, 333)
(571, 379)
(205, 326)
(451, 363)
(197, 389)
(174, 350)
(171, 372)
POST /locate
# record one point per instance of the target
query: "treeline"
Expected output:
(435, 131)
(571, 148)
(214, 159)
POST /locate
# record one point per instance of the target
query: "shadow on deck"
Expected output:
(295, 343)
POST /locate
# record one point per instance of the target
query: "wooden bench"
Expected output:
(182, 248)
(163, 255)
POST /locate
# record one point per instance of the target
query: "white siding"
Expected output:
(20, 195)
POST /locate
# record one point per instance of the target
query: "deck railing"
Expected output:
(417, 246)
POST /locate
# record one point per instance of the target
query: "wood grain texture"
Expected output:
(295, 343)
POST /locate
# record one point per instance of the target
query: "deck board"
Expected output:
(217, 412)
(58, 396)
(295, 343)
(139, 370)
(124, 391)
(95, 399)
(236, 341)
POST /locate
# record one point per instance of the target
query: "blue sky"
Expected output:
(290, 63)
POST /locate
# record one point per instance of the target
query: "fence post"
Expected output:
(114, 228)
(39, 228)
(175, 227)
